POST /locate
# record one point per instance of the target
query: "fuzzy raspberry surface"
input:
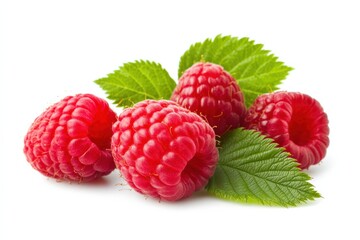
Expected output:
(163, 150)
(71, 139)
(295, 121)
(211, 92)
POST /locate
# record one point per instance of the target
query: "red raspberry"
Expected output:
(211, 92)
(163, 150)
(295, 121)
(71, 139)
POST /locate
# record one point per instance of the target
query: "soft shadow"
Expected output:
(198, 197)
(105, 181)
(100, 182)
(319, 169)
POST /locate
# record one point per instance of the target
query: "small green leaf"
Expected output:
(256, 70)
(137, 81)
(252, 168)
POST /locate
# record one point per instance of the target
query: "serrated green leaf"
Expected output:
(252, 168)
(255, 69)
(137, 81)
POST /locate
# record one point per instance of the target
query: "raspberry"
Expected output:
(295, 121)
(71, 140)
(211, 92)
(163, 150)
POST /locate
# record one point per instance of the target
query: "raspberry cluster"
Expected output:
(211, 92)
(295, 121)
(167, 148)
(71, 139)
(163, 150)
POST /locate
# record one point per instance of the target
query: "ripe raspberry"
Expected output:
(71, 139)
(211, 92)
(295, 121)
(163, 150)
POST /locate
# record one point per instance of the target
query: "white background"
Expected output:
(50, 49)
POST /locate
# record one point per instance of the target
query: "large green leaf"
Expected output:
(252, 168)
(255, 69)
(137, 81)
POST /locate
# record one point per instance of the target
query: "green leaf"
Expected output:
(252, 168)
(137, 81)
(255, 69)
